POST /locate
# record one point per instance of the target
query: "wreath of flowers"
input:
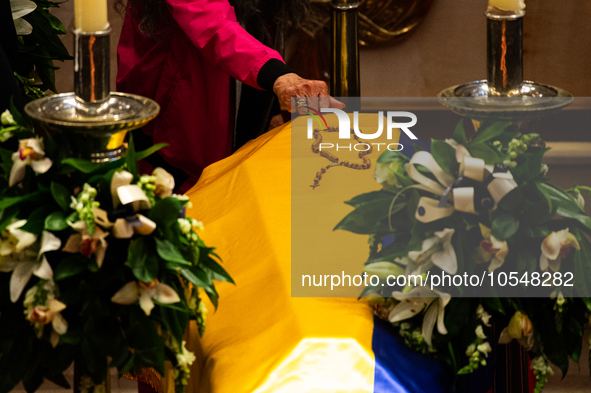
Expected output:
(481, 206)
(98, 264)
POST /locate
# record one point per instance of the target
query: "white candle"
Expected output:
(508, 5)
(91, 15)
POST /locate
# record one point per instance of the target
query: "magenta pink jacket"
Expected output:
(188, 74)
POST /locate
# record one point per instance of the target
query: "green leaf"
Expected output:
(566, 205)
(56, 221)
(370, 289)
(504, 226)
(169, 252)
(148, 348)
(165, 212)
(217, 272)
(12, 201)
(35, 221)
(526, 261)
(445, 156)
(484, 151)
(6, 217)
(544, 192)
(534, 163)
(69, 267)
(460, 134)
(198, 277)
(61, 195)
(84, 166)
(140, 155)
(489, 132)
(372, 216)
(175, 322)
(142, 261)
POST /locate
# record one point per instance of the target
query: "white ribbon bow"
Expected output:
(429, 209)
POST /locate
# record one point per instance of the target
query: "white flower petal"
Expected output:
(99, 252)
(429, 322)
(25, 239)
(162, 293)
(17, 173)
(551, 246)
(54, 339)
(20, 277)
(408, 308)
(555, 264)
(21, 8)
(43, 270)
(446, 259)
(22, 27)
(74, 243)
(56, 306)
(78, 226)
(59, 323)
(49, 242)
(544, 263)
(495, 263)
(119, 179)
(128, 294)
(42, 165)
(146, 302)
(441, 314)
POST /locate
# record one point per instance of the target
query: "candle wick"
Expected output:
(504, 54)
(92, 68)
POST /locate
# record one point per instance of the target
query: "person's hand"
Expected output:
(291, 86)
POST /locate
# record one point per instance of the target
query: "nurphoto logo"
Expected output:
(345, 127)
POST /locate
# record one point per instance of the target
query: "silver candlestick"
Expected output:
(504, 95)
(94, 118)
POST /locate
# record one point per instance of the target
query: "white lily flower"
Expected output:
(19, 9)
(484, 348)
(14, 239)
(483, 315)
(185, 358)
(30, 153)
(421, 299)
(491, 249)
(51, 313)
(26, 262)
(164, 183)
(480, 332)
(87, 245)
(556, 246)
(438, 251)
(146, 294)
(6, 118)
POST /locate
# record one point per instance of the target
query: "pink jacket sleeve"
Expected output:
(212, 27)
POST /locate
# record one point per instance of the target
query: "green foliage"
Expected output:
(519, 221)
(42, 47)
(65, 202)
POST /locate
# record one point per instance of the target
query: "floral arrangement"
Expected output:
(479, 207)
(39, 45)
(98, 265)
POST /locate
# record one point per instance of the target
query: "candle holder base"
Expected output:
(528, 102)
(97, 131)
